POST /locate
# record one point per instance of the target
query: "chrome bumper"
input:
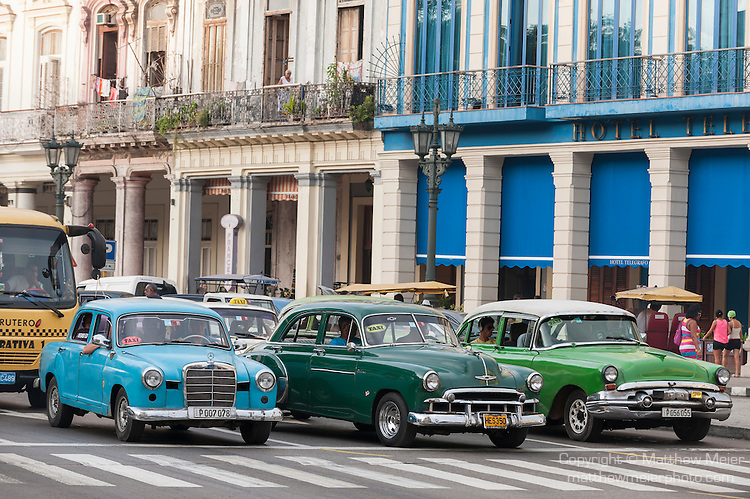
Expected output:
(142, 414)
(473, 420)
(645, 401)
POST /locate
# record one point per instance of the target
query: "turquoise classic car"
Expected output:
(156, 362)
(396, 369)
(598, 372)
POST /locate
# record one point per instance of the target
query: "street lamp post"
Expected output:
(428, 137)
(61, 173)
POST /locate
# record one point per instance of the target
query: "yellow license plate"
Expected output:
(495, 420)
(696, 395)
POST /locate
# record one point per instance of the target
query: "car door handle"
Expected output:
(319, 351)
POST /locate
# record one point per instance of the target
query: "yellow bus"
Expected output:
(37, 291)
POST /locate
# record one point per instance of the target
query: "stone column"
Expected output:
(184, 232)
(308, 221)
(23, 195)
(327, 235)
(484, 184)
(377, 226)
(395, 219)
(82, 213)
(570, 268)
(129, 218)
(248, 200)
(668, 170)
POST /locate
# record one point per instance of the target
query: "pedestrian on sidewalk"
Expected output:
(720, 331)
(689, 329)
(734, 344)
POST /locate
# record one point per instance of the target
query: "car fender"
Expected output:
(270, 360)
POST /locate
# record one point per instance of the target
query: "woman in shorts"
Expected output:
(735, 342)
(720, 330)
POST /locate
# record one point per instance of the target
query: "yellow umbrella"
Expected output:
(413, 287)
(666, 294)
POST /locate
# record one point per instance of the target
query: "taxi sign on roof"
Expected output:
(238, 301)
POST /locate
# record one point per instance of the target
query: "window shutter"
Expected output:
(348, 34)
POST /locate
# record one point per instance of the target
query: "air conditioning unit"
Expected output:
(106, 19)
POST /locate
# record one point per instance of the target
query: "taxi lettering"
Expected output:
(16, 343)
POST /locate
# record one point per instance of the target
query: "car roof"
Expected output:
(359, 306)
(230, 306)
(121, 306)
(237, 295)
(541, 308)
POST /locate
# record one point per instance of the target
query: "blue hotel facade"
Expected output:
(605, 147)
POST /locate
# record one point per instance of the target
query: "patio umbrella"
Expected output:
(666, 294)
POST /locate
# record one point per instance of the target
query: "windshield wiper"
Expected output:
(37, 301)
(621, 338)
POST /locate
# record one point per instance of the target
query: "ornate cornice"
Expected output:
(173, 7)
(85, 23)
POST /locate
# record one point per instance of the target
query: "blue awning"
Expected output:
(451, 216)
(718, 225)
(620, 210)
(528, 212)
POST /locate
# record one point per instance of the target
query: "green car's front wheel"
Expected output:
(579, 424)
(508, 439)
(692, 430)
(391, 422)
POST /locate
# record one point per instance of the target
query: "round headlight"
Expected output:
(535, 382)
(610, 374)
(722, 376)
(265, 380)
(152, 378)
(431, 381)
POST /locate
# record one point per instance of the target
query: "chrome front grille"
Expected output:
(210, 384)
(470, 401)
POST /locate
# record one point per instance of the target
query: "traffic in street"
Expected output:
(323, 457)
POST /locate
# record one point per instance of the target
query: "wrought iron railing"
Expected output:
(462, 90)
(669, 75)
(242, 108)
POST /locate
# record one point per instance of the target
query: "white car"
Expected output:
(257, 300)
(248, 325)
(134, 284)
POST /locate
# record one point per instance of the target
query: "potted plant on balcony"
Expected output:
(294, 108)
(363, 115)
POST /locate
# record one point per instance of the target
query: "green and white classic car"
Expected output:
(397, 369)
(598, 372)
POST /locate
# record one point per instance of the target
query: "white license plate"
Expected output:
(671, 412)
(7, 378)
(211, 413)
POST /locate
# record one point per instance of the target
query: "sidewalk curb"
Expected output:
(718, 430)
(738, 391)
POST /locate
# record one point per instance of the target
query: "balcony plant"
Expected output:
(294, 108)
(364, 114)
(339, 85)
(187, 115)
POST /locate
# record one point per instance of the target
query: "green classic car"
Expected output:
(598, 372)
(397, 369)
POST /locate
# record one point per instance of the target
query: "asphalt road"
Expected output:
(327, 458)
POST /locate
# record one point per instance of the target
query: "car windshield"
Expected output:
(385, 329)
(35, 268)
(163, 328)
(245, 323)
(587, 329)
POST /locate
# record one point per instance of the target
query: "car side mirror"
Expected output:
(351, 346)
(101, 340)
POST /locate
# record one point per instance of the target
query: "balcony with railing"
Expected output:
(499, 94)
(656, 83)
(154, 117)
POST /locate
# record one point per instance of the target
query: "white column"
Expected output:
(22, 195)
(668, 170)
(570, 268)
(307, 255)
(82, 212)
(377, 227)
(395, 208)
(248, 200)
(484, 184)
(184, 232)
(131, 248)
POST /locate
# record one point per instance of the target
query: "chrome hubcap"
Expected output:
(578, 416)
(122, 414)
(54, 402)
(389, 420)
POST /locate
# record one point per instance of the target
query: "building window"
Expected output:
(3, 60)
(150, 230)
(615, 28)
(523, 33)
(206, 229)
(107, 35)
(438, 36)
(350, 31)
(714, 24)
(214, 46)
(106, 227)
(277, 48)
(156, 43)
(50, 50)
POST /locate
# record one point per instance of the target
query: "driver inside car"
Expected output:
(27, 280)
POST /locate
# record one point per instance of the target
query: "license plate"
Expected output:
(211, 412)
(7, 378)
(671, 412)
(495, 420)
(696, 395)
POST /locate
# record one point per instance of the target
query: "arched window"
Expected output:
(50, 53)
(155, 40)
